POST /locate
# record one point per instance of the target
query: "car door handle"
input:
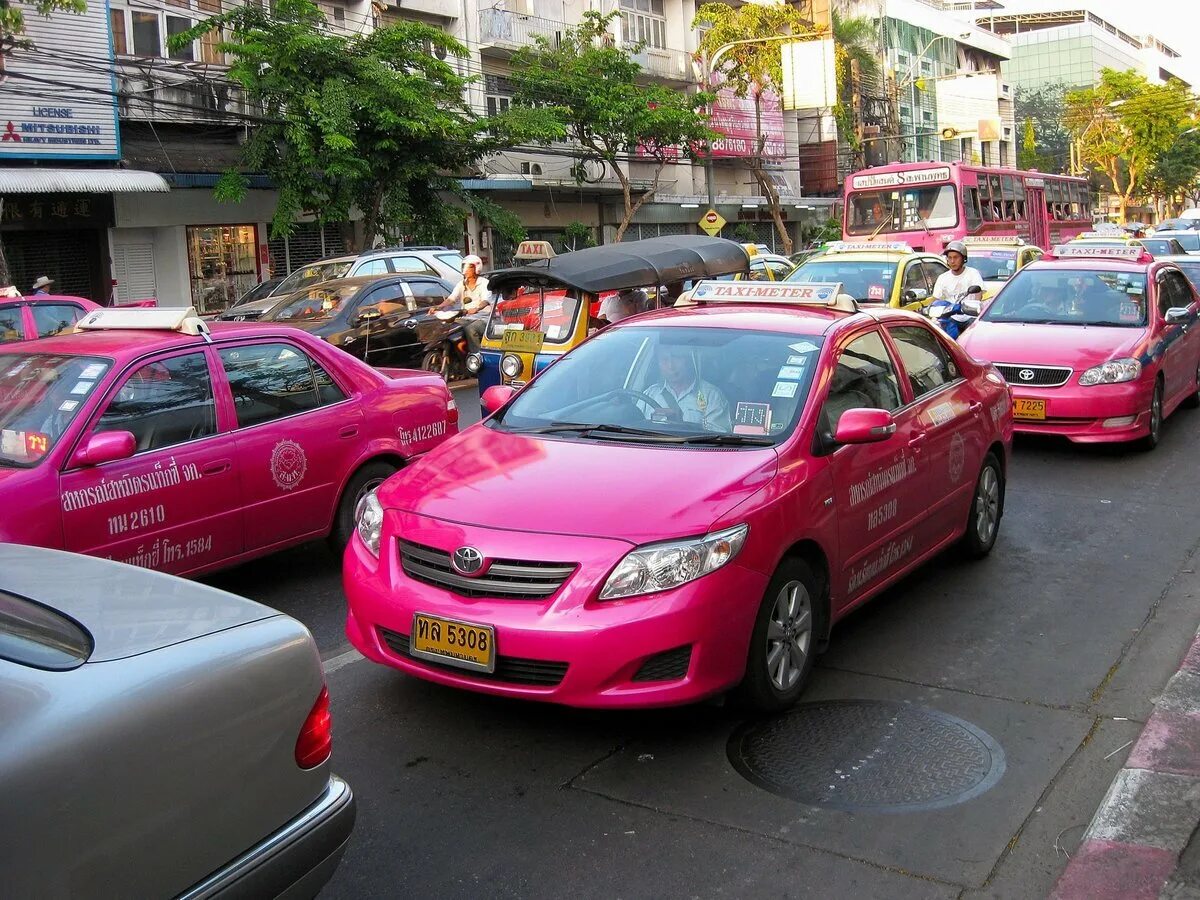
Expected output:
(917, 440)
(216, 467)
(976, 406)
(348, 432)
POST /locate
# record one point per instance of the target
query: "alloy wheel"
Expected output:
(1156, 413)
(987, 505)
(789, 635)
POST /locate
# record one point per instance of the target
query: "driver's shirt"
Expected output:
(702, 403)
(954, 287)
(474, 300)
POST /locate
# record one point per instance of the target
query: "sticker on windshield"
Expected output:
(68, 406)
(875, 292)
(93, 371)
(555, 332)
(785, 389)
(82, 387)
(796, 360)
(752, 418)
(802, 347)
(795, 373)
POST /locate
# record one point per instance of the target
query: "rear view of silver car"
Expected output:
(158, 738)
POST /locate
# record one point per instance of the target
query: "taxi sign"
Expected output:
(534, 250)
(185, 320)
(867, 246)
(1074, 251)
(712, 222)
(1101, 236)
(791, 293)
(983, 240)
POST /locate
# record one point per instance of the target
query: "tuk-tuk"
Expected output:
(543, 309)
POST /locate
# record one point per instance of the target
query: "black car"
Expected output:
(383, 320)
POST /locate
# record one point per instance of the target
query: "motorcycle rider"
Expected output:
(475, 299)
(953, 285)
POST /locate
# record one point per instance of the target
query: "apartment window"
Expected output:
(143, 31)
(644, 22)
(498, 93)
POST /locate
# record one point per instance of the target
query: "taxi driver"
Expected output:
(682, 396)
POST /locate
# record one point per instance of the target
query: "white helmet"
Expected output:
(957, 247)
(472, 260)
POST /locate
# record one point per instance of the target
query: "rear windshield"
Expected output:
(37, 636)
(1188, 240)
(994, 265)
(313, 274)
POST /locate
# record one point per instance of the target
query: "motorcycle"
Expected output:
(955, 316)
(445, 344)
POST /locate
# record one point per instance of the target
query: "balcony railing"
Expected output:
(669, 65)
(511, 31)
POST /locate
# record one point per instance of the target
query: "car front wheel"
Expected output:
(1150, 441)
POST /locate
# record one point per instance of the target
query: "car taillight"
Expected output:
(315, 742)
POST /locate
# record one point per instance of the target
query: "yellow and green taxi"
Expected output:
(878, 272)
(765, 266)
(997, 259)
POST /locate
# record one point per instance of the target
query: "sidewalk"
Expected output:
(1142, 843)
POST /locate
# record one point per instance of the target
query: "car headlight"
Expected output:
(510, 366)
(659, 567)
(368, 521)
(1112, 372)
(474, 363)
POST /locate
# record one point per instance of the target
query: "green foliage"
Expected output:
(1176, 172)
(12, 17)
(577, 236)
(744, 233)
(590, 87)
(1043, 106)
(371, 122)
(1027, 156)
(1124, 124)
(504, 222)
(830, 230)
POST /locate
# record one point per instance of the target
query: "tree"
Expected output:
(1174, 174)
(1027, 156)
(750, 69)
(591, 86)
(1124, 124)
(372, 122)
(855, 51)
(577, 236)
(1043, 107)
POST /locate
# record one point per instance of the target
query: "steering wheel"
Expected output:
(633, 395)
(1039, 308)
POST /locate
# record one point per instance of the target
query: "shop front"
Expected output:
(60, 236)
(223, 262)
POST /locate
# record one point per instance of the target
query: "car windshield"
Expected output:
(1159, 246)
(1059, 296)
(551, 313)
(452, 259)
(40, 395)
(994, 265)
(1188, 240)
(866, 282)
(315, 303)
(317, 272)
(902, 209)
(671, 385)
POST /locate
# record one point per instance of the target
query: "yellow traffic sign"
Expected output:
(712, 222)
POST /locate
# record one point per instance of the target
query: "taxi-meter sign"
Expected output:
(823, 294)
(712, 222)
(1128, 251)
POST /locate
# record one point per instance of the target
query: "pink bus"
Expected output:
(927, 204)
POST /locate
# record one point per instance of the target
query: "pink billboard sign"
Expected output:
(733, 116)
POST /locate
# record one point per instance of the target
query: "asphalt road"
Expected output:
(1050, 648)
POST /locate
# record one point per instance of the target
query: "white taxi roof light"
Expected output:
(784, 293)
(871, 246)
(182, 319)
(1002, 240)
(1132, 252)
(1100, 236)
(534, 250)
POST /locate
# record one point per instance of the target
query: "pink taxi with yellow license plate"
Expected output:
(684, 504)
(145, 438)
(1098, 343)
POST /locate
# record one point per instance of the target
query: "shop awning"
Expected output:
(80, 181)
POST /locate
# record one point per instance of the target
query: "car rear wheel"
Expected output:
(783, 646)
(1193, 399)
(1150, 441)
(983, 523)
(365, 480)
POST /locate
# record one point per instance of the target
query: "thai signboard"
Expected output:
(734, 117)
(52, 105)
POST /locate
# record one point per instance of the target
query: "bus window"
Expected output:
(909, 209)
(971, 207)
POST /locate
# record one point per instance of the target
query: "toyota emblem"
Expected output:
(467, 560)
(1026, 374)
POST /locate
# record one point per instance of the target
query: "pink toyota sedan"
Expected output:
(185, 452)
(40, 316)
(1096, 343)
(682, 505)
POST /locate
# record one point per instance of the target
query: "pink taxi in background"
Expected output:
(144, 439)
(40, 316)
(683, 504)
(1098, 343)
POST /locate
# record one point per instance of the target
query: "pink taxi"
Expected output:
(684, 504)
(145, 439)
(40, 316)
(1095, 342)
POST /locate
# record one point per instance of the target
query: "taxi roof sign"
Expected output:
(1002, 240)
(1132, 252)
(183, 319)
(868, 246)
(534, 250)
(1102, 236)
(788, 293)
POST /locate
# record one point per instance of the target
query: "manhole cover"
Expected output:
(867, 755)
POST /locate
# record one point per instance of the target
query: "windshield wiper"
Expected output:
(588, 430)
(732, 440)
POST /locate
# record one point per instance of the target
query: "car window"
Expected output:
(270, 381)
(453, 260)
(55, 318)
(864, 377)
(372, 267)
(410, 264)
(12, 325)
(758, 271)
(390, 298)
(924, 359)
(164, 402)
(428, 293)
(1173, 291)
(779, 269)
(914, 278)
(933, 269)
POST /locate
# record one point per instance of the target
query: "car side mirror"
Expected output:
(913, 295)
(105, 447)
(972, 306)
(368, 314)
(1177, 314)
(864, 426)
(496, 396)
(974, 289)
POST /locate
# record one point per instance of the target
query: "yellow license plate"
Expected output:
(1029, 409)
(520, 341)
(454, 643)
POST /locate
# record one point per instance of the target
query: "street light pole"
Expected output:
(911, 81)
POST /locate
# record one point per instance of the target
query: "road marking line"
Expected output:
(342, 660)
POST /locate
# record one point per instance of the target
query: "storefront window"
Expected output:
(223, 260)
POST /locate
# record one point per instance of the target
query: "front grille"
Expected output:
(1043, 376)
(670, 665)
(508, 579)
(511, 669)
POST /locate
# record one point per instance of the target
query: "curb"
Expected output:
(1132, 846)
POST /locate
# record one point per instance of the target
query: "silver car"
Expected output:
(158, 738)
